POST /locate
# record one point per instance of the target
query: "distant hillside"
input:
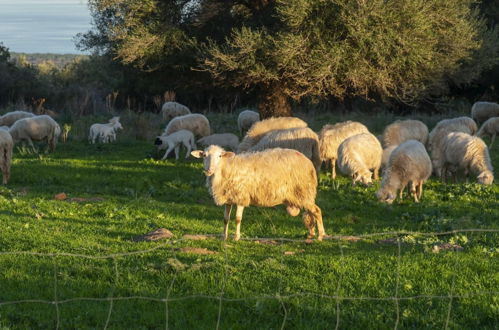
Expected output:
(60, 60)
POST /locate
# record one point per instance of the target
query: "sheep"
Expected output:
(439, 132)
(195, 122)
(224, 140)
(104, 133)
(35, 128)
(410, 164)
(174, 140)
(10, 118)
(358, 155)
(246, 119)
(469, 153)
(481, 111)
(302, 139)
(331, 136)
(403, 130)
(264, 178)
(6, 145)
(260, 128)
(171, 110)
(489, 128)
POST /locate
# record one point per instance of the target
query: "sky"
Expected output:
(43, 26)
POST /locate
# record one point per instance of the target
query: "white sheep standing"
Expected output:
(35, 128)
(331, 136)
(468, 153)
(260, 128)
(104, 133)
(6, 145)
(224, 140)
(358, 156)
(302, 139)
(171, 110)
(410, 164)
(481, 111)
(10, 118)
(265, 178)
(403, 130)
(198, 124)
(246, 119)
(489, 128)
(174, 140)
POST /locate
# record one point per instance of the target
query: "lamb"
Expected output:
(265, 178)
(410, 164)
(195, 122)
(469, 153)
(358, 155)
(246, 119)
(302, 139)
(440, 131)
(36, 128)
(260, 128)
(224, 140)
(331, 136)
(489, 128)
(174, 140)
(104, 132)
(481, 111)
(403, 130)
(171, 110)
(10, 118)
(6, 145)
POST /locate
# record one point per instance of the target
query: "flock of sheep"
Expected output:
(279, 159)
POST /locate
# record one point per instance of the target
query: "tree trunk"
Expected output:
(272, 102)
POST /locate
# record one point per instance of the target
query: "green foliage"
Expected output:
(63, 261)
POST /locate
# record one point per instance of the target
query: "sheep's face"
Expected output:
(212, 157)
(485, 177)
(385, 196)
(364, 178)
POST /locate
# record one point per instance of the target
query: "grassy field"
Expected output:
(75, 263)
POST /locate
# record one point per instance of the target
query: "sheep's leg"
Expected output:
(333, 168)
(188, 146)
(227, 210)
(376, 173)
(401, 191)
(317, 214)
(420, 189)
(170, 148)
(239, 218)
(31, 144)
(414, 191)
(177, 150)
(493, 139)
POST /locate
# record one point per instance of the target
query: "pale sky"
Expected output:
(42, 26)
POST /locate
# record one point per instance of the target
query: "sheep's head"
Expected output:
(158, 141)
(363, 177)
(385, 196)
(486, 177)
(212, 157)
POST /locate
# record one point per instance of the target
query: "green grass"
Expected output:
(76, 264)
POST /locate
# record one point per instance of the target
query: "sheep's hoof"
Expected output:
(236, 238)
(320, 237)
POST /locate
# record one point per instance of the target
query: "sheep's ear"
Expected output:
(197, 153)
(228, 154)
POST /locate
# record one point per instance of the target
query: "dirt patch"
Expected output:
(198, 237)
(194, 250)
(155, 235)
(447, 247)
(388, 241)
(85, 200)
(266, 242)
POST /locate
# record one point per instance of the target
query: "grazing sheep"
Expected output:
(409, 164)
(195, 122)
(246, 119)
(174, 140)
(469, 153)
(489, 128)
(36, 128)
(358, 155)
(331, 136)
(403, 130)
(302, 139)
(260, 128)
(265, 178)
(171, 110)
(481, 111)
(224, 140)
(440, 131)
(6, 145)
(10, 118)
(104, 133)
